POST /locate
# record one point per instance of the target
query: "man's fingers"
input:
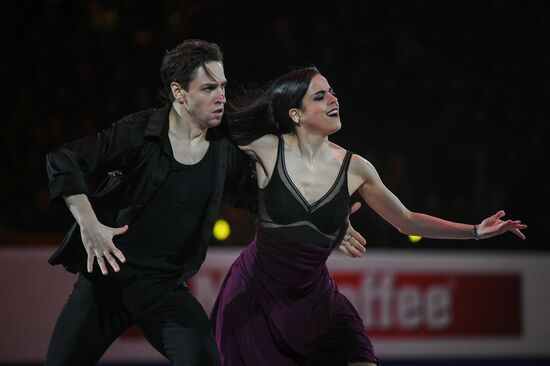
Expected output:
(349, 248)
(101, 262)
(343, 248)
(120, 230)
(109, 258)
(354, 251)
(117, 253)
(356, 206)
(346, 250)
(353, 243)
(90, 262)
(102, 265)
(358, 237)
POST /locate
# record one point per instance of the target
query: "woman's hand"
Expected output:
(493, 226)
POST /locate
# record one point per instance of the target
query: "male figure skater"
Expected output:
(150, 221)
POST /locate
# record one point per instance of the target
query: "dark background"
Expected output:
(448, 99)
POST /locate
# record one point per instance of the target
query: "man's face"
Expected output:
(204, 99)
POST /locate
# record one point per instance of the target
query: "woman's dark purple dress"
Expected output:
(278, 304)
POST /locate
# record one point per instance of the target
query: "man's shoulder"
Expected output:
(226, 144)
(137, 118)
(149, 122)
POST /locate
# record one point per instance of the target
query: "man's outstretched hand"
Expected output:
(98, 242)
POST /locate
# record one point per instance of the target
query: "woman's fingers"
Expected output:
(518, 233)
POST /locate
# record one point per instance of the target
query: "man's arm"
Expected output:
(241, 185)
(96, 237)
(67, 168)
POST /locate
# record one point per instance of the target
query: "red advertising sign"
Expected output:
(419, 304)
(429, 304)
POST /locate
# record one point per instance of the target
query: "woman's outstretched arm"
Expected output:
(364, 176)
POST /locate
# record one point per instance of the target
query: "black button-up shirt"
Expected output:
(136, 154)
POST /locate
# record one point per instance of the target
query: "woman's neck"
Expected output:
(311, 147)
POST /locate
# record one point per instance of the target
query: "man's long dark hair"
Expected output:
(261, 111)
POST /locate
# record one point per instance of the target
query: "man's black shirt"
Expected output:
(137, 153)
(166, 233)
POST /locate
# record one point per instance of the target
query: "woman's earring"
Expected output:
(300, 123)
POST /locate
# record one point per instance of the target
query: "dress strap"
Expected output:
(280, 150)
(347, 159)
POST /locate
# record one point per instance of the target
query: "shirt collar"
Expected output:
(157, 123)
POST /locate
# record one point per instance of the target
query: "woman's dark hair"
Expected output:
(181, 63)
(262, 111)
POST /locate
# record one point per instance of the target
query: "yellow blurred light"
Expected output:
(221, 230)
(414, 238)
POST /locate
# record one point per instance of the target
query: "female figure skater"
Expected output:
(278, 304)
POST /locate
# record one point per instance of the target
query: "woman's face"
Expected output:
(320, 110)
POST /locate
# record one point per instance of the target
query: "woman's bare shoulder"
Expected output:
(262, 143)
(362, 167)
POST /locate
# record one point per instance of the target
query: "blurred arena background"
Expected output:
(449, 100)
